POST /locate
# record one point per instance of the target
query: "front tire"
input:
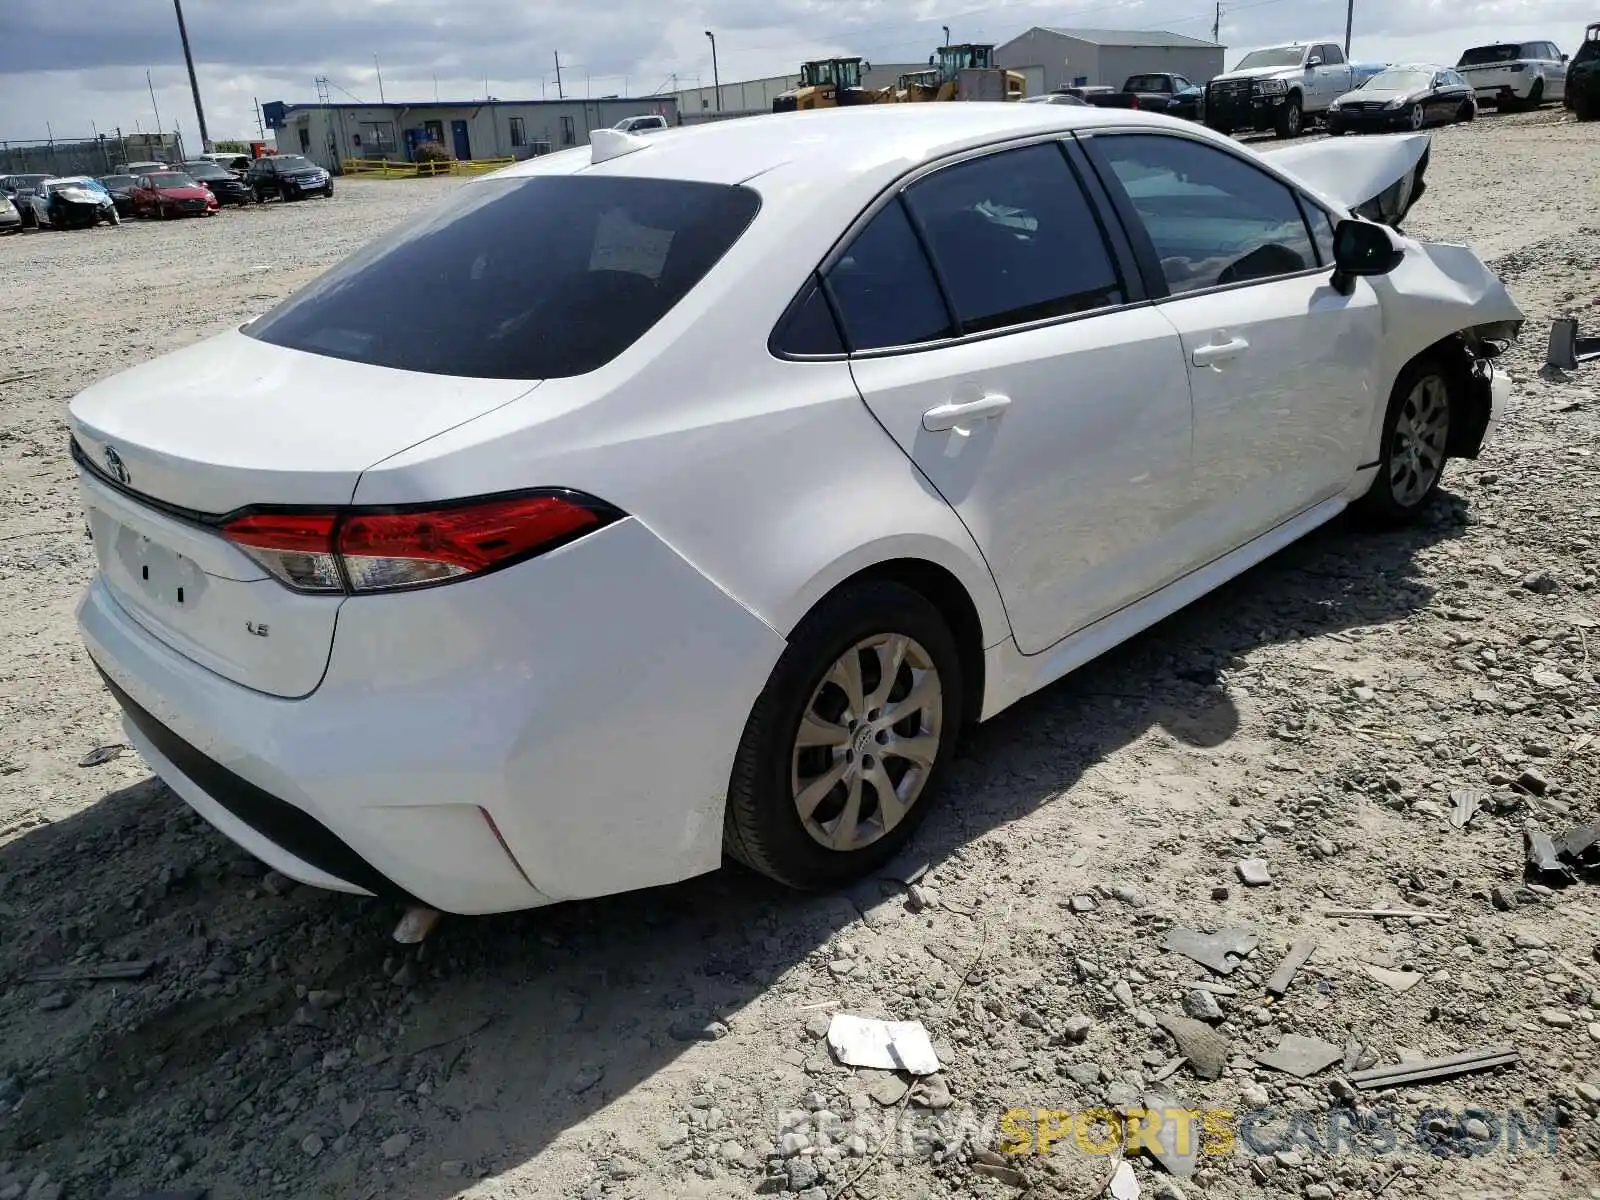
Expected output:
(1417, 118)
(1290, 121)
(847, 742)
(1416, 434)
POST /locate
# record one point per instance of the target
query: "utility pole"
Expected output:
(261, 129)
(1349, 25)
(153, 103)
(379, 70)
(560, 95)
(716, 77)
(1216, 25)
(194, 81)
(946, 29)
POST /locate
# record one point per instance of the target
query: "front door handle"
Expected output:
(959, 416)
(1205, 356)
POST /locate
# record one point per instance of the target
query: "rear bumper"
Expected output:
(1493, 93)
(561, 729)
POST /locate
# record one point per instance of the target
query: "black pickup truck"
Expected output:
(1151, 92)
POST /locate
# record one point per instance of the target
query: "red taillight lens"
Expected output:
(368, 550)
(1135, 103)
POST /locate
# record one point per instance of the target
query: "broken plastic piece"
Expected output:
(1219, 951)
(1568, 351)
(1436, 1068)
(417, 924)
(1292, 962)
(1300, 1056)
(886, 1045)
(1124, 1183)
(1542, 857)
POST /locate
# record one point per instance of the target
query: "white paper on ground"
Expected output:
(886, 1045)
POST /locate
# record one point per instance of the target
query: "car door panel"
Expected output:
(1074, 486)
(1057, 421)
(1281, 365)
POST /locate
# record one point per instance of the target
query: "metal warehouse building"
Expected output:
(327, 133)
(1052, 58)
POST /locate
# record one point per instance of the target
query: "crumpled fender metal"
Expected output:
(1443, 298)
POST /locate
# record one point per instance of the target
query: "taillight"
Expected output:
(1135, 103)
(376, 550)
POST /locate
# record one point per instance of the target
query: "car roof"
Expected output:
(842, 144)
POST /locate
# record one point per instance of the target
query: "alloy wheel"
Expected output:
(1416, 453)
(1417, 116)
(867, 742)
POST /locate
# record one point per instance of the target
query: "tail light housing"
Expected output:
(1135, 103)
(361, 550)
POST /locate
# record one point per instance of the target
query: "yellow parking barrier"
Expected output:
(381, 168)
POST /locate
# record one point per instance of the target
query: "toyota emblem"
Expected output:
(114, 464)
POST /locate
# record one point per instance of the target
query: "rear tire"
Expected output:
(772, 825)
(1416, 433)
(1467, 112)
(1536, 96)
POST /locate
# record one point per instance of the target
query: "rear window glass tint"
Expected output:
(1481, 55)
(808, 328)
(884, 289)
(539, 278)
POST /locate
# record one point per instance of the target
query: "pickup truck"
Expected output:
(1157, 92)
(1278, 88)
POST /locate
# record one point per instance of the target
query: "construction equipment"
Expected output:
(961, 72)
(826, 83)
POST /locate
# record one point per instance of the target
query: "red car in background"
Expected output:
(171, 194)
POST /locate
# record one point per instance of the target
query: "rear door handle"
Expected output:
(1205, 356)
(959, 416)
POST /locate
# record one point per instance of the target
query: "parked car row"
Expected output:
(198, 187)
(1284, 89)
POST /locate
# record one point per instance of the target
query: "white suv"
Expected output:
(1513, 75)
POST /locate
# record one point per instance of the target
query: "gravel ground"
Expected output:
(1324, 715)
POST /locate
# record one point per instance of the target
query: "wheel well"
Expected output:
(1469, 408)
(945, 592)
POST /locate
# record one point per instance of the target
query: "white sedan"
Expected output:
(686, 495)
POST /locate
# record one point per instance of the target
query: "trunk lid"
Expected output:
(229, 423)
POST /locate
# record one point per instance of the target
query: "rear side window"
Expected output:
(1014, 239)
(808, 328)
(883, 288)
(537, 278)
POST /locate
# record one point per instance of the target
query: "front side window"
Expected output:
(1332, 55)
(532, 278)
(1014, 239)
(1212, 219)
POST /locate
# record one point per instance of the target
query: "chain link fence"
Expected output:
(99, 155)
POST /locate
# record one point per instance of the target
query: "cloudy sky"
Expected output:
(68, 69)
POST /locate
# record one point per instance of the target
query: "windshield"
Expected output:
(117, 181)
(28, 181)
(170, 179)
(206, 171)
(56, 185)
(292, 162)
(534, 278)
(1479, 55)
(1276, 56)
(1399, 81)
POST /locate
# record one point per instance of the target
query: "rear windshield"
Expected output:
(1148, 83)
(1479, 55)
(206, 171)
(537, 278)
(170, 179)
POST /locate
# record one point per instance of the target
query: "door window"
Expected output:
(883, 288)
(1014, 239)
(1321, 230)
(1212, 219)
(1332, 55)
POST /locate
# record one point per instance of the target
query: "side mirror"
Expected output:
(1314, 61)
(1362, 248)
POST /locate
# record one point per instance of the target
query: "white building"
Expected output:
(1053, 58)
(327, 133)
